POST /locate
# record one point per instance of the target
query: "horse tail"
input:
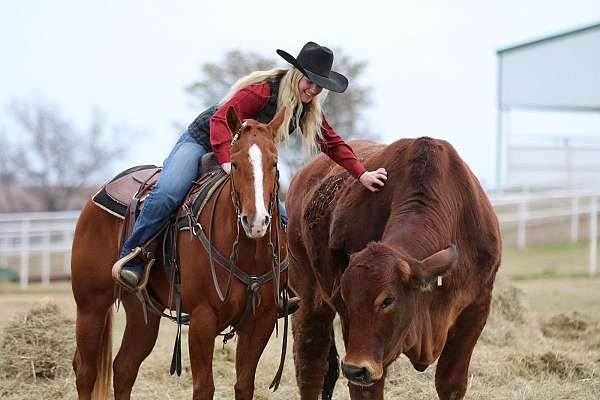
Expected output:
(104, 364)
(333, 371)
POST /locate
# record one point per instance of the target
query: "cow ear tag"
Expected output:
(439, 280)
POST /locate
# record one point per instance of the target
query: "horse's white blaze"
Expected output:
(255, 156)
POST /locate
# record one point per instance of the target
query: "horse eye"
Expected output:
(233, 165)
(388, 301)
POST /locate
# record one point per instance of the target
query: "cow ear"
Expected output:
(233, 122)
(277, 121)
(438, 264)
(404, 270)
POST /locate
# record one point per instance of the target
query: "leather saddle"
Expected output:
(115, 196)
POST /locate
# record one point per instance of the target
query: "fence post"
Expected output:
(68, 238)
(522, 224)
(3, 255)
(593, 236)
(24, 270)
(46, 258)
(574, 219)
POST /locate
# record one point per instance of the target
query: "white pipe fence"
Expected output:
(25, 236)
(49, 235)
(526, 213)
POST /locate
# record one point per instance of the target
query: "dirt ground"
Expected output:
(530, 358)
(544, 297)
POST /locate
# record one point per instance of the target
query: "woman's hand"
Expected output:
(374, 180)
(226, 167)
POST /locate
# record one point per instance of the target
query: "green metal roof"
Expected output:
(549, 38)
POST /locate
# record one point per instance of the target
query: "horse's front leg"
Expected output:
(253, 336)
(202, 333)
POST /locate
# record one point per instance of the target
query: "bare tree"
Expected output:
(7, 176)
(344, 111)
(217, 78)
(53, 158)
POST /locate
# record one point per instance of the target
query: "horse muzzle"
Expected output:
(255, 227)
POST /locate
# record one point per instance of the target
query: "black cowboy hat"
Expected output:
(315, 62)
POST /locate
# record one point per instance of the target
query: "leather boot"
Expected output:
(129, 268)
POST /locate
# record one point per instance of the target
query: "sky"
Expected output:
(432, 65)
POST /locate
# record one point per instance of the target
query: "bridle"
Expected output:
(275, 256)
(253, 283)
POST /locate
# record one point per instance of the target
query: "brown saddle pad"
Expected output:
(116, 195)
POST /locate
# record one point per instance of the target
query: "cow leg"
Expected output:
(138, 341)
(453, 365)
(252, 339)
(312, 341)
(201, 341)
(374, 392)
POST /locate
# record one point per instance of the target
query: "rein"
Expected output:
(253, 282)
(206, 187)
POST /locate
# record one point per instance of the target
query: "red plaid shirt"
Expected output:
(252, 99)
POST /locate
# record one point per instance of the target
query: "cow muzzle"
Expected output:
(363, 373)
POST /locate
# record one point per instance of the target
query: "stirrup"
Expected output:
(118, 267)
(292, 307)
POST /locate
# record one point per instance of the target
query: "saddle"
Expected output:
(124, 195)
(116, 196)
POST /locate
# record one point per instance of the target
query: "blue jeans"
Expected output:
(180, 169)
(283, 213)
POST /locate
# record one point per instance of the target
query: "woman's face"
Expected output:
(308, 89)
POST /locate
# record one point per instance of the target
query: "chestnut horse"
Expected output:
(96, 248)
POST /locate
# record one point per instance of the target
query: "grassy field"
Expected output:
(542, 341)
(565, 260)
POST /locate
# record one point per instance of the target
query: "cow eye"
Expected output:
(388, 301)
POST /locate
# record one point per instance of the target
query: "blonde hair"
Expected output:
(289, 97)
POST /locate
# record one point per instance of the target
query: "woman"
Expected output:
(258, 96)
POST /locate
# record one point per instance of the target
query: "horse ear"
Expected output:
(437, 264)
(277, 121)
(233, 122)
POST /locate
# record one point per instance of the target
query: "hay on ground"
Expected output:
(539, 366)
(37, 345)
(566, 326)
(507, 302)
(507, 315)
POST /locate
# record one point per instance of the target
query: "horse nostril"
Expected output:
(267, 220)
(355, 373)
(245, 220)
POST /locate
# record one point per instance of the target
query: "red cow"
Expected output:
(409, 269)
